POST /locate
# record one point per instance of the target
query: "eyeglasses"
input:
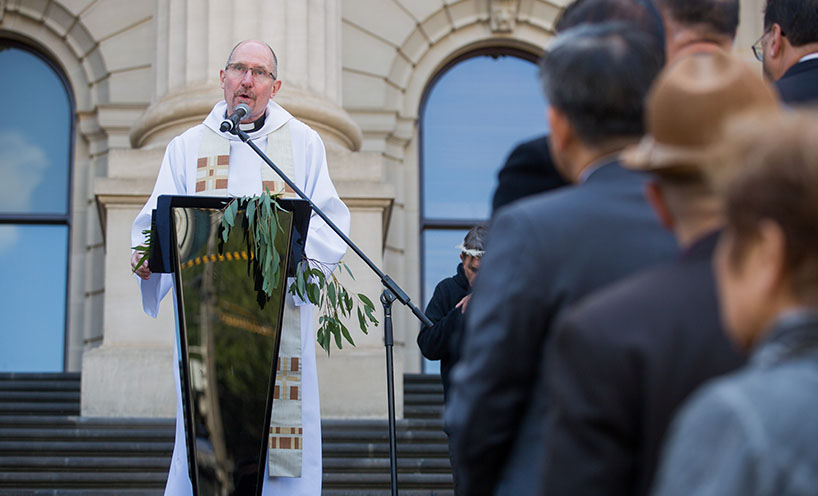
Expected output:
(259, 74)
(758, 48)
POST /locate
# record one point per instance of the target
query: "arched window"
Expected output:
(36, 140)
(473, 114)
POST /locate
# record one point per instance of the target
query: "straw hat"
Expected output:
(688, 105)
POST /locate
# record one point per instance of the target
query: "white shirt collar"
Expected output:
(809, 56)
(596, 165)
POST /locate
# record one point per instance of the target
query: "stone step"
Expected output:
(423, 399)
(38, 408)
(39, 396)
(40, 386)
(83, 492)
(383, 481)
(64, 421)
(38, 463)
(402, 436)
(423, 411)
(381, 450)
(410, 388)
(381, 492)
(421, 378)
(88, 434)
(382, 424)
(362, 465)
(86, 448)
(66, 377)
(77, 479)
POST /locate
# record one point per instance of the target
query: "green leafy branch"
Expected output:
(144, 250)
(262, 225)
(333, 301)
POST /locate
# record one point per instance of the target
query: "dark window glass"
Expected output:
(35, 164)
(473, 115)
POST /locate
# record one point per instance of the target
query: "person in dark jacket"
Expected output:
(446, 310)
(788, 49)
(448, 305)
(528, 170)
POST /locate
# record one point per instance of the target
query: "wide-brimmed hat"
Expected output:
(688, 105)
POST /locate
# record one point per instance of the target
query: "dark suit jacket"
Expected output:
(544, 253)
(799, 85)
(528, 170)
(618, 367)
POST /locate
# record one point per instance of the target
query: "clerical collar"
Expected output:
(253, 126)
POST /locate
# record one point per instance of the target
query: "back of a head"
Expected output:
(717, 17)
(774, 177)
(688, 106)
(798, 19)
(639, 12)
(598, 77)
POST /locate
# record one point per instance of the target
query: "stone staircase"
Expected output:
(47, 449)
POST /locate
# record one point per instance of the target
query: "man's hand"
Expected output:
(462, 304)
(142, 271)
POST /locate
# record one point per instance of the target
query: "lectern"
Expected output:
(227, 336)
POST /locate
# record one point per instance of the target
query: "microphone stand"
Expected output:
(391, 292)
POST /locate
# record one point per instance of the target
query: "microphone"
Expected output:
(240, 112)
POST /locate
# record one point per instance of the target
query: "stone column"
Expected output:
(129, 375)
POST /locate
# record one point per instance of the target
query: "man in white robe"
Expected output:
(191, 162)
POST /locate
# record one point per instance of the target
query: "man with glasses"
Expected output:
(205, 161)
(788, 49)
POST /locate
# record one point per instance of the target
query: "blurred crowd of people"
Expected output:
(645, 315)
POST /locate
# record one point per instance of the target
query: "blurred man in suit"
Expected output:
(549, 250)
(788, 49)
(623, 360)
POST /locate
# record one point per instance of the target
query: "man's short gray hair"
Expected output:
(598, 75)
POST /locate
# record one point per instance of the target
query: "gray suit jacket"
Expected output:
(544, 253)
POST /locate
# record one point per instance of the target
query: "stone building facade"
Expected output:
(141, 72)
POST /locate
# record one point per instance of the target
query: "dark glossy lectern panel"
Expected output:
(228, 348)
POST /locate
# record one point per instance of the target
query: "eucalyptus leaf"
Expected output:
(366, 300)
(250, 212)
(336, 331)
(361, 319)
(345, 332)
(346, 267)
(331, 292)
